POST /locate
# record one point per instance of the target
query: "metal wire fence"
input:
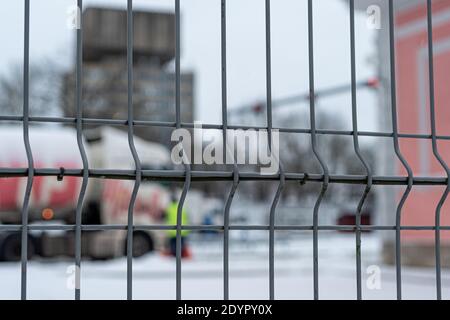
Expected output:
(186, 176)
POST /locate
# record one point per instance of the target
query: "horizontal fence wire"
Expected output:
(235, 174)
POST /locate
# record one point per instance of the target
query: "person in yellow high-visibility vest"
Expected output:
(171, 220)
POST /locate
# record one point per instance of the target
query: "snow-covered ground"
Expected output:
(154, 274)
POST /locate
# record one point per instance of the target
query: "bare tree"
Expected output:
(44, 89)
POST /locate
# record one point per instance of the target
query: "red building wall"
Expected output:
(414, 111)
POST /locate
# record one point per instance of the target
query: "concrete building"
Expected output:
(414, 117)
(105, 71)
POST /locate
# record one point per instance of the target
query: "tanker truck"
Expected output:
(53, 200)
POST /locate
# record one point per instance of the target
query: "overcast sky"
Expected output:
(50, 38)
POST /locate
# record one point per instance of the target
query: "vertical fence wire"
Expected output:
(137, 162)
(272, 233)
(79, 128)
(226, 213)
(226, 234)
(318, 156)
(187, 167)
(357, 151)
(270, 150)
(395, 139)
(26, 140)
(223, 74)
(436, 152)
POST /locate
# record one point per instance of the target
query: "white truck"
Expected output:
(54, 202)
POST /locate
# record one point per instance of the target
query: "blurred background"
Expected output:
(54, 145)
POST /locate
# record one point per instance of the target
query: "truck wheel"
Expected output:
(11, 248)
(142, 244)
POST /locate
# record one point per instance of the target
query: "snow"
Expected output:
(154, 274)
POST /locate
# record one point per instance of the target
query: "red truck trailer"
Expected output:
(54, 202)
